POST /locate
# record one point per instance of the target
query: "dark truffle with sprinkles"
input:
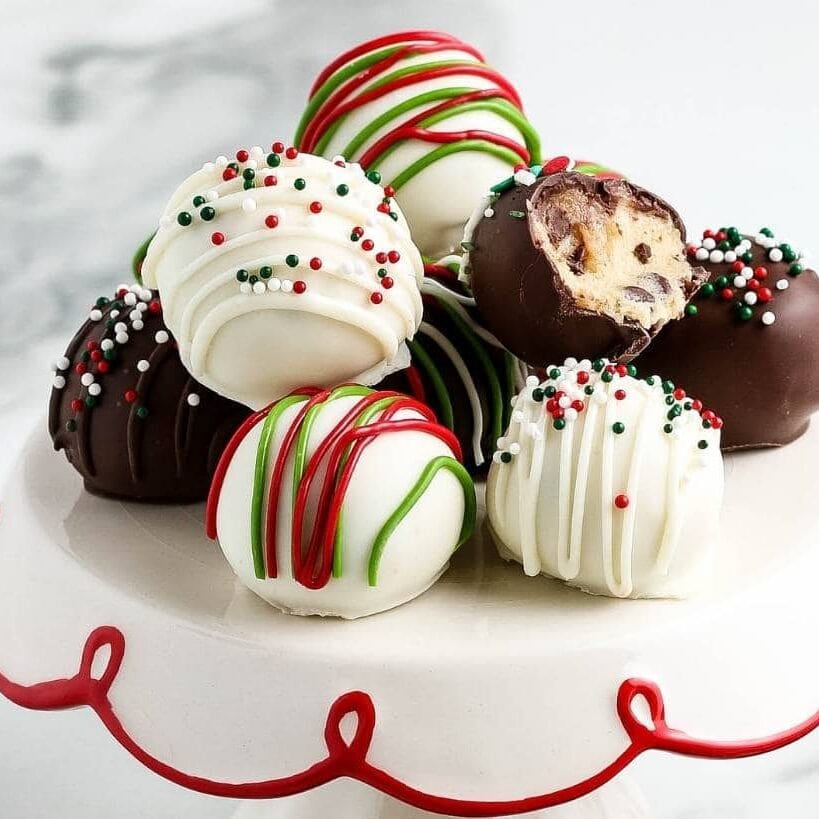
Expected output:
(459, 369)
(129, 417)
(748, 344)
(577, 264)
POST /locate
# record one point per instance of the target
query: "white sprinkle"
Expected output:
(532, 381)
(59, 382)
(775, 254)
(782, 284)
(717, 256)
(87, 379)
(517, 416)
(208, 167)
(489, 213)
(750, 297)
(745, 244)
(740, 281)
(121, 338)
(165, 221)
(525, 177)
(760, 239)
(274, 284)
(496, 457)
(221, 161)
(747, 272)
(122, 286)
(193, 399)
(161, 336)
(146, 294)
(249, 204)
(600, 396)
(287, 286)
(107, 344)
(570, 414)
(768, 317)
(514, 448)
(702, 254)
(709, 244)
(134, 315)
(137, 324)
(252, 164)
(245, 288)
(95, 314)
(564, 402)
(142, 307)
(212, 196)
(501, 443)
(113, 314)
(534, 430)
(143, 365)
(120, 327)
(94, 389)
(584, 364)
(730, 256)
(259, 288)
(570, 362)
(257, 152)
(130, 299)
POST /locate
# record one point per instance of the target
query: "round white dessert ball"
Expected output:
(266, 273)
(619, 496)
(408, 503)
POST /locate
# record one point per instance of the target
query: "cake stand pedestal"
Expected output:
(492, 694)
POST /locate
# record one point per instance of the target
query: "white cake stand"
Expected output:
(492, 694)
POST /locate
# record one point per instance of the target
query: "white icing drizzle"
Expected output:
(529, 460)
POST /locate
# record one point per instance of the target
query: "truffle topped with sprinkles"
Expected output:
(608, 481)
(129, 417)
(748, 343)
(273, 263)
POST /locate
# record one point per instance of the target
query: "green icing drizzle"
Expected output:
(511, 387)
(420, 355)
(260, 478)
(139, 258)
(430, 471)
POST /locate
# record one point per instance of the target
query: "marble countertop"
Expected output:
(106, 106)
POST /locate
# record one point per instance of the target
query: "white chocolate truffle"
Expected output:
(610, 483)
(425, 111)
(367, 483)
(318, 283)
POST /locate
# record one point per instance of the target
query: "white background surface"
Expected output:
(105, 106)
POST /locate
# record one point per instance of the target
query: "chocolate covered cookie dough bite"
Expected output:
(572, 264)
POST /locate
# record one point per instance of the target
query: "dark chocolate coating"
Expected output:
(434, 377)
(169, 454)
(763, 380)
(519, 293)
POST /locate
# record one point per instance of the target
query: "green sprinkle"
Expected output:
(71, 425)
(588, 389)
(342, 189)
(199, 200)
(274, 160)
(300, 184)
(253, 279)
(702, 444)
(292, 260)
(721, 282)
(506, 457)
(767, 232)
(266, 272)
(707, 289)
(734, 236)
(241, 275)
(90, 400)
(549, 391)
(706, 424)
(234, 166)
(559, 423)
(393, 216)
(692, 309)
(669, 428)
(687, 405)
(651, 381)
(670, 400)
(354, 237)
(142, 412)
(668, 386)
(102, 301)
(382, 271)
(248, 184)
(184, 218)
(724, 246)
(85, 357)
(538, 393)
(631, 369)
(110, 355)
(674, 412)
(796, 269)
(207, 213)
(607, 376)
(554, 373)
(467, 246)
(517, 214)
(249, 173)
(747, 256)
(598, 364)
(618, 427)
(745, 313)
(374, 177)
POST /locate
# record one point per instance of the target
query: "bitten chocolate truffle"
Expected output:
(459, 369)
(130, 418)
(569, 264)
(748, 345)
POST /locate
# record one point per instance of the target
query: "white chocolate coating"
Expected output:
(552, 506)
(416, 554)
(255, 342)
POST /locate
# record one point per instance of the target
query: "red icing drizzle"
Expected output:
(349, 758)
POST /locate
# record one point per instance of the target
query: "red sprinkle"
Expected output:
(315, 207)
(717, 422)
(622, 370)
(578, 405)
(155, 307)
(619, 394)
(760, 273)
(103, 367)
(92, 345)
(696, 405)
(387, 282)
(217, 238)
(270, 180)
(277, 147)
(556, 165)
(291, 153)
(721, 236)
(358, 231)
(753, 284)
(80, 368)
(367, 244)
(558, 413)
(130, 396)
(271, 221)
(315, 264)
(551, 405)
(679, 394)
(376, 298)
(299, 286)
(381, 257)
(727, 294)
(394, 256)
(76, 404)
(621, 501)
(389, 191)
(242, 155)
(764, 294)
(96, 355)
(737, 266)
(708, 234)
(383, 207)
(228, 174)
(582, 377)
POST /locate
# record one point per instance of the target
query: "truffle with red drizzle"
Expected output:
(342, 502)
(747, 344)
(129, 417)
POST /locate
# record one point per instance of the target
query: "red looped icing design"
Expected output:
(349, 758)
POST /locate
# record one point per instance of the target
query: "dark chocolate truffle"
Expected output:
(130, 418)
(460, 370)
(571, 264)
(748, 345)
